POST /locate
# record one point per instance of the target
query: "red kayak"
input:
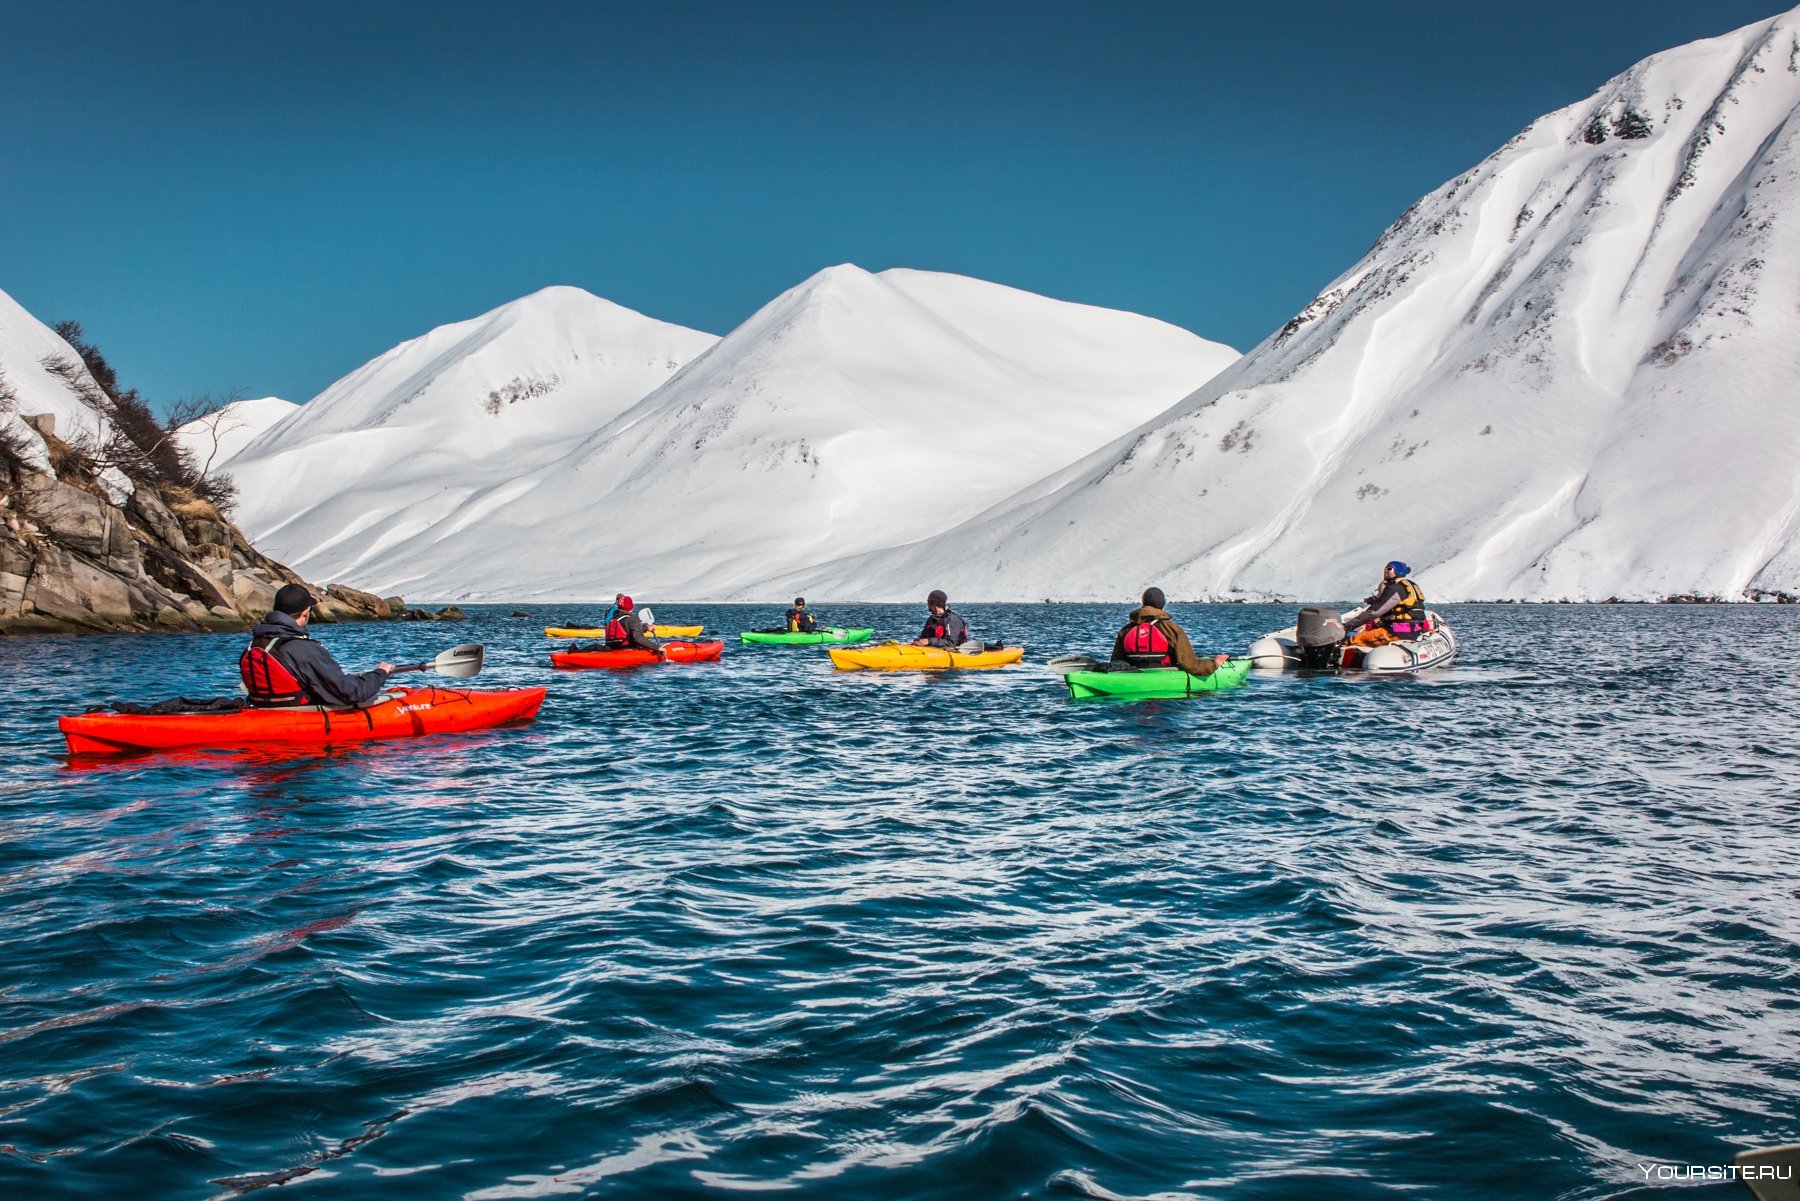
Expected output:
(400, 714)
(631, 656)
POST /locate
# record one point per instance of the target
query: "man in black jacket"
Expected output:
(944, 627)
(284, 666)
(799, 621)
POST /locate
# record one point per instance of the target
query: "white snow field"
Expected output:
(1567, 373)
(854, 411)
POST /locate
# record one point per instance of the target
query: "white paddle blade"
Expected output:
(1064, 664)
(459, 662)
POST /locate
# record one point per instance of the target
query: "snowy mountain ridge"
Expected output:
(1565, 374)
(855, 410)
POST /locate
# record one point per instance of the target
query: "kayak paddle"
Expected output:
(460, 661)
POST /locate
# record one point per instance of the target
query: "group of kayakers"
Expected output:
(284, 666)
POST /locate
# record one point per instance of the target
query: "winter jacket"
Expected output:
(310, 663)
(1399, 599)
(1180, 649)
(626, 630)
(947, 631)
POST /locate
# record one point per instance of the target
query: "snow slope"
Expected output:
(212, 440)
(446, 426)
(1568, 373)
(854, 411)
(25, 344)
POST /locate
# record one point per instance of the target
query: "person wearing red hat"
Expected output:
(624, 629)
(284, 666)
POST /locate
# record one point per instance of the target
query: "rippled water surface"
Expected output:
(1515, 930)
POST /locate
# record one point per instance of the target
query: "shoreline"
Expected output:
(40, 625)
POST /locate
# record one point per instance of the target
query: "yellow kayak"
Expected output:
(600, 632)
(893, 656)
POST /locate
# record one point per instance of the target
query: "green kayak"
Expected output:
(783, 638)
(1157, 683)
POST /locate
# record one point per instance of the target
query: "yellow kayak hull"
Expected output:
(658, 631)
(892, 656)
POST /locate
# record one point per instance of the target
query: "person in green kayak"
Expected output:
(944, 627)
(799, 621)
(1152, 639)
(284, 666)
(625, 630)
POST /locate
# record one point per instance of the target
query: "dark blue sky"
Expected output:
(256, 197)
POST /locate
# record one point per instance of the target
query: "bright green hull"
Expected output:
(1161, 683)
(759, 638)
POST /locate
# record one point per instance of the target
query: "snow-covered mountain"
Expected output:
(1569, 372)
(854, 411)
(213, 439)
(437, 430)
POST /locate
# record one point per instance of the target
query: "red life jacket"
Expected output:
(615, 633)
(267, 679)
(1147, 646)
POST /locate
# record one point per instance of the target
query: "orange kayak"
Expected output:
(631, 656)
(400, 714)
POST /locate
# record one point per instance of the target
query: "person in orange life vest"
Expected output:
(799, 621)
(1152, 639)
(284, 666)
(1395, 611)
(624, 629)
(944, 627)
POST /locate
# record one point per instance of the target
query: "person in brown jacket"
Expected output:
(1152, 639)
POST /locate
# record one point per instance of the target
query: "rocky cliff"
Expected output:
(71, 557)
(105, 523)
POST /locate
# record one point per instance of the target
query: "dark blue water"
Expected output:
(1519, 930)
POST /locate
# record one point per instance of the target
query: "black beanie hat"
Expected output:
(292, 599)
(937, 597)
(1153, 596)
(799, 600)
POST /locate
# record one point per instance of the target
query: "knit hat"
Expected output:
(1153, 597)
(937, 597)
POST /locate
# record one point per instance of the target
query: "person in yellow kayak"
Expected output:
(284, 666)
(944, 627)
(799, 621)
(625, 630)
(1395, 611)
(1152, 639)
(613, 611)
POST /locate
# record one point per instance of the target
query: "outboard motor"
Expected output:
(1316, 636)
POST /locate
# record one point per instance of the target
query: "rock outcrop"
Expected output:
(105, 522)
(82, 548)
(72, 558)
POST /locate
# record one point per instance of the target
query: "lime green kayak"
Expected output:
(1156, 683)
(783, 638)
